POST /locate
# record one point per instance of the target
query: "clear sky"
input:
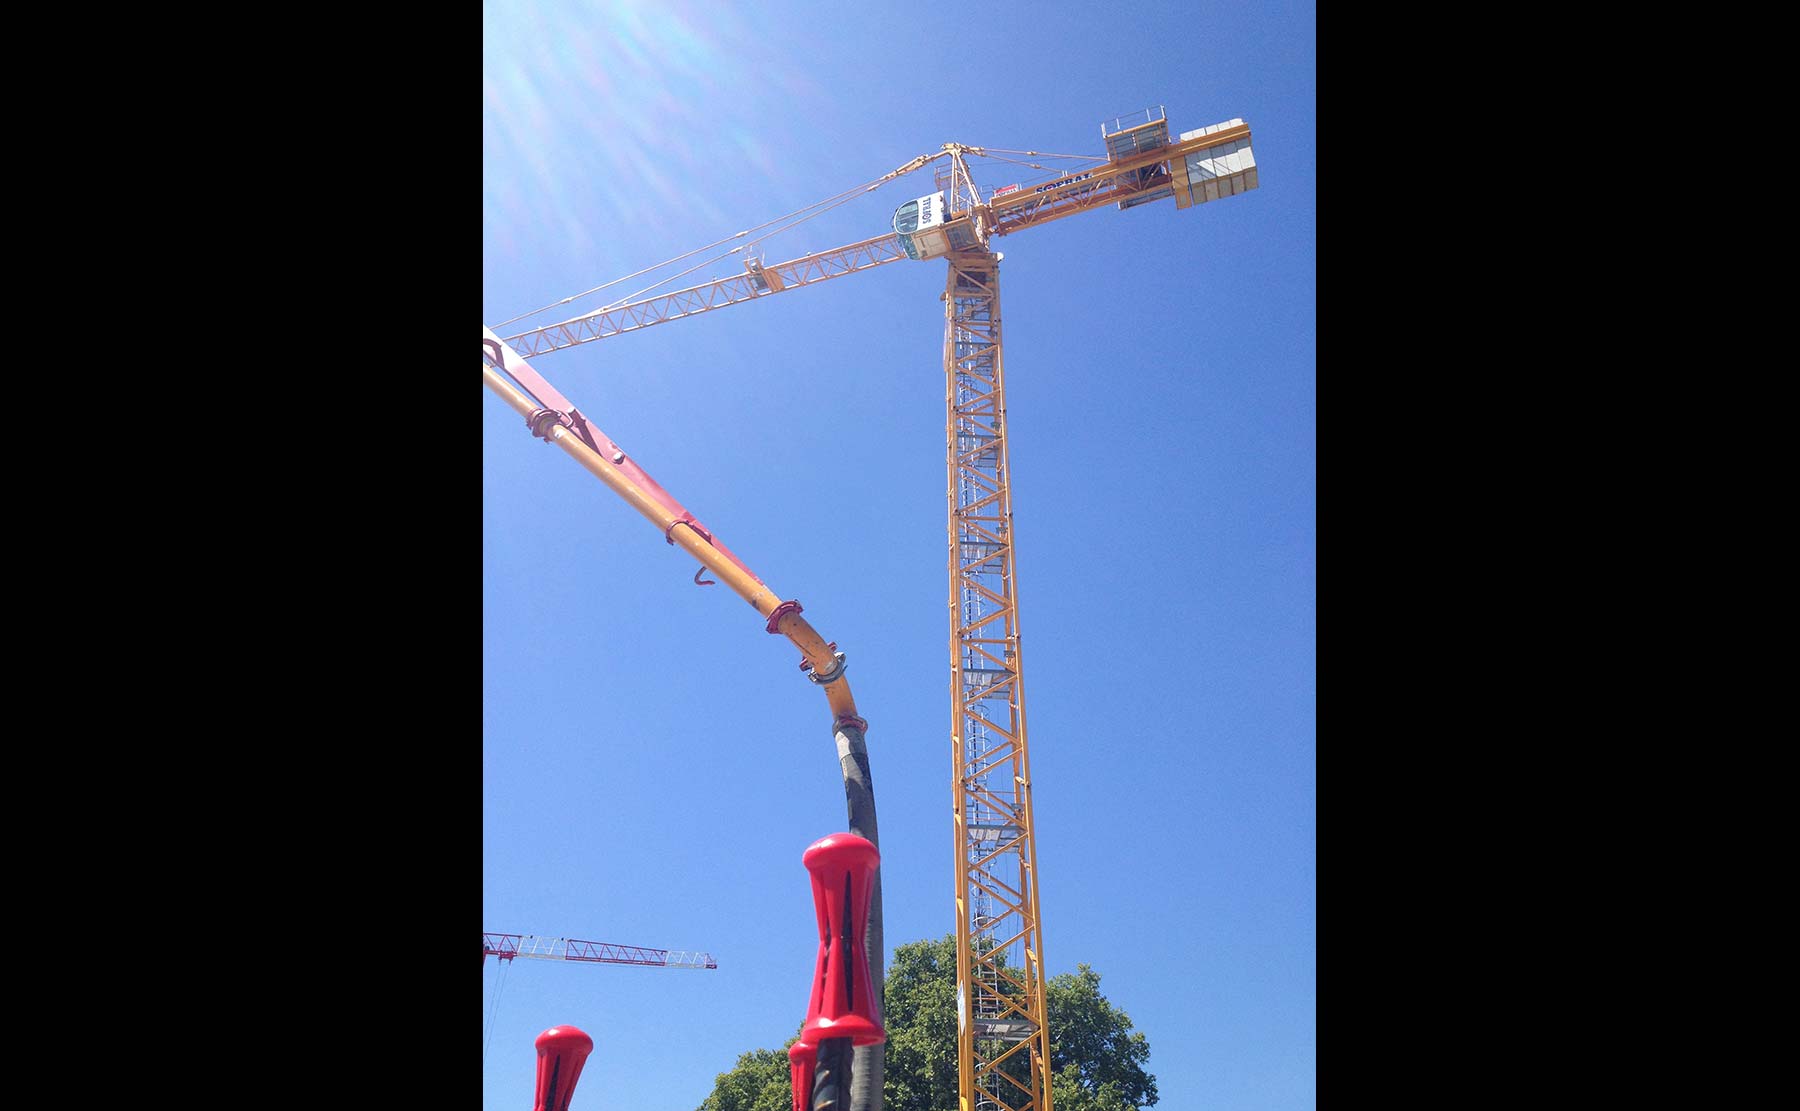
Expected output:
(653, 761)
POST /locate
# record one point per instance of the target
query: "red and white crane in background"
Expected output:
(508, 946)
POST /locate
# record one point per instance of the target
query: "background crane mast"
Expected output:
(1003, 1036)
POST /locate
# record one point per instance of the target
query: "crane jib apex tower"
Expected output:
(1003, 1039)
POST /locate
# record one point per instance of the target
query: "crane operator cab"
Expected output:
(927, 229)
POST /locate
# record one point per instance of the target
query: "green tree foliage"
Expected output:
(758, 1083)
(1097, 1060)
(919, 1011)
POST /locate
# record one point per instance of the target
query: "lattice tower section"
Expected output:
(1003, 1044)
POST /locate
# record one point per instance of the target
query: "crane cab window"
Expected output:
(906, 218)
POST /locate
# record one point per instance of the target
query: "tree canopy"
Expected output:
(1096, 1058)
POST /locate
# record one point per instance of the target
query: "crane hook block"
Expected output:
(803, 1063)
(844, 1003)
(562, 1050)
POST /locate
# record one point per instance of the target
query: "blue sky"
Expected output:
(654, 763)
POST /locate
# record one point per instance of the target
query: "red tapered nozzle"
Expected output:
(803, 1062)
(844, 1003)
(562, 1050)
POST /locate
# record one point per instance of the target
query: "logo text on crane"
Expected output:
(1065, 181)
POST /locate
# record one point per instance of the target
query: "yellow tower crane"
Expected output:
(1003, 1038)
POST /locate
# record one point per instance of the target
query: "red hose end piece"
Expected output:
(562, 1051)
(803, 1063)
(844, 1003)
(780, 612)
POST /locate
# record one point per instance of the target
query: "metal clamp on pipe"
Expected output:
(688, 520)
(835, 673)
(541, 420)
(779, 612)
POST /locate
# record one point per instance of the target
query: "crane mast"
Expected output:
(1003, 1039)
